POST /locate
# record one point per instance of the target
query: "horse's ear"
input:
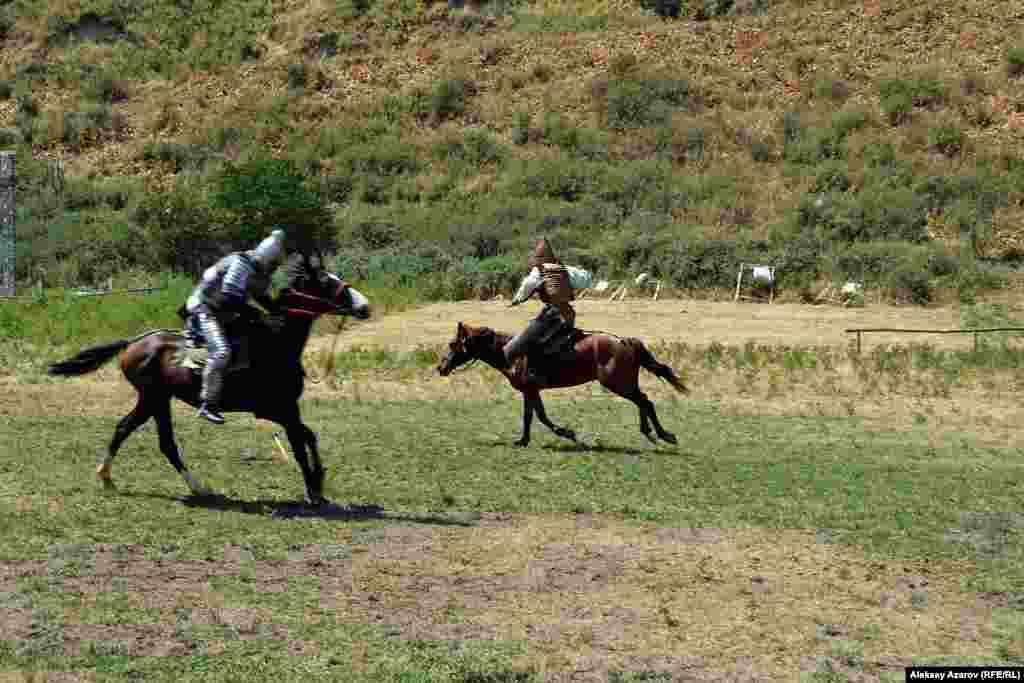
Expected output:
(461, 331)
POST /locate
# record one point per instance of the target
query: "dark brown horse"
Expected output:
(614, 362)
(269, 387)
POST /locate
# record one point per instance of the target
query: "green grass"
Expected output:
(894, 494)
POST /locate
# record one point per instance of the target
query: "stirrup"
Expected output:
(211, 414)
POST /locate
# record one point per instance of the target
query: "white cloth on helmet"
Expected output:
(763, 273)
(579, 278)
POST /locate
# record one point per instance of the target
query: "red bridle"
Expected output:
(314, 302)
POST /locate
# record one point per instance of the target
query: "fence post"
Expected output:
(975, 342)
(8, 236)
(858, 342)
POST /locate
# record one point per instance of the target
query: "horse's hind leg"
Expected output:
(647, 412)
(543, 417)
(162, 413)
(128, 424)
(663, 434)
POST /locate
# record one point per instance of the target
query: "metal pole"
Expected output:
(975, 342)
(8, 236)
(858, 342)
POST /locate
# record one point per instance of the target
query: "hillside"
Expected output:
(875, 140)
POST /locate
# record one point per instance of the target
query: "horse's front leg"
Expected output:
(528, 405)
(543, 416)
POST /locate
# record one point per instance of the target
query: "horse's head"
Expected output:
(313, 291)
(470, 343)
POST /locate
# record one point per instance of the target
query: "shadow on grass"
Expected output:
(281, 509)
(579, 447)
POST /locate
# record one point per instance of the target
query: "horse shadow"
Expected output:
(280, 509)
(581, 447)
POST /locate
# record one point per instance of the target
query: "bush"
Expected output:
(556, 180)
(298, 75)
(581, 143)
(521, 128)
(897, 107)
(635, 103)
(814, 146)
(828, 88)
(668, 9)
(947, 139)
(257, 196)
(105, 88)
(6, 22)
(180, 229)
(182, 156)
(476, 148)
(1015, 62)
(448, 99)
(911, 284)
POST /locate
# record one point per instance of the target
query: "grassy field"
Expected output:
(772, 544)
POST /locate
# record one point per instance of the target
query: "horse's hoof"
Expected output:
(650, 437)
(567, 434)
(670, 438)
(522, 443)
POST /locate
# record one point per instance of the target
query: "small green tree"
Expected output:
(252, 198)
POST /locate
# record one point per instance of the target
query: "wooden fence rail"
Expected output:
(975, 332)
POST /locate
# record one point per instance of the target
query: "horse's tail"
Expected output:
(92, 359)
(650, 363)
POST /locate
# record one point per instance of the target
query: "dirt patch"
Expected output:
(587, 594)
(691, 321)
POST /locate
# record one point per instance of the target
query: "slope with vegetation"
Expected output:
(876, 140)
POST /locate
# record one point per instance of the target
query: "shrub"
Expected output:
(897, 107)
(828, 88)
(448, 99)
(1015, 62)
(6, 22)
(182, 156)
(760, 151)
(632, 103)
(668, 9)
(6, 90)
(254, 197)
(556, 179)
(814, 146)
(831, 177)
(911, 283)
(298, 75)
(106, 88)
(521, 128)
(9, 137)
(947, 139)
(792, 127)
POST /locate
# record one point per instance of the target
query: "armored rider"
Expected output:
(549, 279)
(220, 297)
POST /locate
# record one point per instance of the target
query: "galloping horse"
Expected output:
(269, 387)
(614, 362)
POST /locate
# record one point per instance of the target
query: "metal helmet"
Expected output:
(542, 253)
(269, 254)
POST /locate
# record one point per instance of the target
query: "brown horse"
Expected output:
(612, 361)
(269, 387)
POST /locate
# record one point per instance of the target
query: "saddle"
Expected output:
(188, 355)
(559, 348)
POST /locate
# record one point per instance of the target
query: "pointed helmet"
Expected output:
(270, 252)
(542, 253)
